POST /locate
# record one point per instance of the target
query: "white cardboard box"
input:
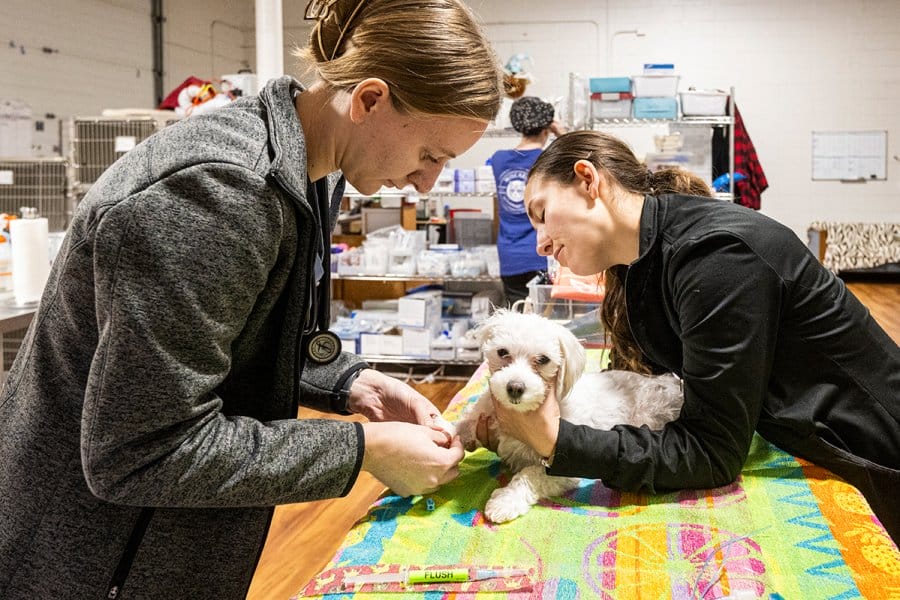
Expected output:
(467, 347)
(349, 345)
(465, 186)
(422, 309)
(444, 187)
(484, 173)
(381, 344)
(443, 349)
(417, 341)
(465, 175)
(485, 186)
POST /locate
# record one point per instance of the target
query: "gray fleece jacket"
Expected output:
(147, 426)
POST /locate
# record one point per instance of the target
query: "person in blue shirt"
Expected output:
(516, 239)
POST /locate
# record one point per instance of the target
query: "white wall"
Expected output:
(796, 66)
(101, 53)
(205, 38)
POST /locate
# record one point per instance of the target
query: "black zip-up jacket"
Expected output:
(764, 338)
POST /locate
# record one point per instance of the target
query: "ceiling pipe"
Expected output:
(609, 50)
(157, 20)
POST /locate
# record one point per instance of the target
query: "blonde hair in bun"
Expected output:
(433, 55)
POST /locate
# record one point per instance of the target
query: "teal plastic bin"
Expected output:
(610, 84)
(655, 108)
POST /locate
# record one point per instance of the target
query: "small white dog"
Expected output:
(525, 354)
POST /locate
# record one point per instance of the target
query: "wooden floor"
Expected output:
(883, 301)
(304, 537)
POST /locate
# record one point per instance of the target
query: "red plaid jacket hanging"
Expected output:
(749, 190)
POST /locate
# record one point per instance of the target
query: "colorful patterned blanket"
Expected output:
(785, 529)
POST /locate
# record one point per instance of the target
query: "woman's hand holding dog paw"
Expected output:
(538, 428)
(379, 397)
(410, 459)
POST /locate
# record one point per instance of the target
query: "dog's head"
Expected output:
(525, 353)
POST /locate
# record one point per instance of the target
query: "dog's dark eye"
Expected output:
(502, 353)
(542, 360)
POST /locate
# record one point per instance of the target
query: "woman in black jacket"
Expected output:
(731, 301)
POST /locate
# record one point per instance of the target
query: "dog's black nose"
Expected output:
(515, 389)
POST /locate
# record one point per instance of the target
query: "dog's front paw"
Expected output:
(505, 505)
(466, 432)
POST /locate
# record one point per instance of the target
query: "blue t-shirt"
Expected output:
(516, 238)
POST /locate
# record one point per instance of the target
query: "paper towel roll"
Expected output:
(30, 247)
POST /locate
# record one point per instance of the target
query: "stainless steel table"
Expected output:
(13, 322)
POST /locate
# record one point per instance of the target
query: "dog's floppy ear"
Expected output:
(572, 364)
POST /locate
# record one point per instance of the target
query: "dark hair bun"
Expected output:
(530, 115)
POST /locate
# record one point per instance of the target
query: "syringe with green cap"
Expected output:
(433, 575)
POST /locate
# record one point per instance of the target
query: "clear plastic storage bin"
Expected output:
(581, 318)
(654, 86)
(540, 302)
(610, 109)
(703, 103)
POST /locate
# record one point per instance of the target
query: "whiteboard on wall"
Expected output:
(849, 155)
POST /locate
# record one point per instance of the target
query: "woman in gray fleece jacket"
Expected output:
(148, 425)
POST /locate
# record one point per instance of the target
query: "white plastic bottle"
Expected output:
(30, 249)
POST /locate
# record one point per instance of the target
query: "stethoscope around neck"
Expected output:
(320, 345)
(316, 318)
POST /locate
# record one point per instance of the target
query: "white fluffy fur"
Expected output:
(525, 354)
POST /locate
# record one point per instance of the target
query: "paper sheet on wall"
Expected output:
(849, 155)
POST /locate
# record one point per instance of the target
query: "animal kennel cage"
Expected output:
(92, 144)
(37, 182)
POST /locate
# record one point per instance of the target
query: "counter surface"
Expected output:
(784, 527)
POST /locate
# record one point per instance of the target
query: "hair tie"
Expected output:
(345, 27)
(320, 11)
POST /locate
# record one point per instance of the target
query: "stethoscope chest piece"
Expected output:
(323, 348)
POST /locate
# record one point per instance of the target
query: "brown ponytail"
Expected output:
(433, 55)
(616, 159)
(673, 180)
